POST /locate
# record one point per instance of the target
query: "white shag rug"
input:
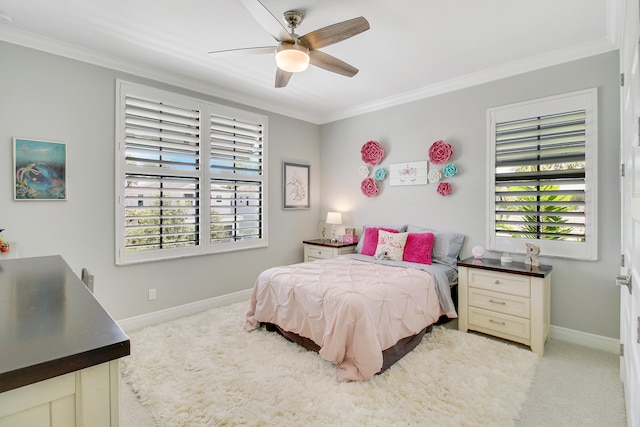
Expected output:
(205, 370)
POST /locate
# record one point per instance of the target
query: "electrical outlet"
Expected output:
(152, 294)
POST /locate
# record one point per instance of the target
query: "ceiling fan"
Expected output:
(294, 53)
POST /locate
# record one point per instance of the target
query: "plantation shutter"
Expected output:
(236, 156)
(540, 177)
(191, 176)
(162, 175)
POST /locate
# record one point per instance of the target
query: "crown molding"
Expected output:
(485, 76)
(615, 18)
(557, 57)
(615, 21)
(71, 51)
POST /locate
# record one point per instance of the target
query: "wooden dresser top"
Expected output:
(50, 323)
(513, 267)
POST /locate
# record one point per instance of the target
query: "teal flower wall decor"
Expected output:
(449, 170)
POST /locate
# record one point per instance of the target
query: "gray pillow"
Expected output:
(400, 228)
(446, 244)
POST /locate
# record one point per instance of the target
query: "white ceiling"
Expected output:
(414, 49)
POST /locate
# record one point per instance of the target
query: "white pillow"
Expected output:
(400, 228)
(391, 245)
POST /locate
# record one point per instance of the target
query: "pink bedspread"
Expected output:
(352, 309)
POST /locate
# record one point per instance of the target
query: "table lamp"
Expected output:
(334, 218)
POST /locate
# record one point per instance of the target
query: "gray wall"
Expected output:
(48, 97)
(583, 294)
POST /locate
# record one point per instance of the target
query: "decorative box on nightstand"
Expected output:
(323, 249)
(509, 301)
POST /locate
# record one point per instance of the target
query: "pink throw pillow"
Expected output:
(418, 248)
(370, 242)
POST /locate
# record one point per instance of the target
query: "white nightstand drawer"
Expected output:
(500, 302)
(497, 324)
(323, 249)
(500, 282)
(510, 301)
(319, 252)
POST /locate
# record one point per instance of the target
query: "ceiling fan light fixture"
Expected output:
(292, 57)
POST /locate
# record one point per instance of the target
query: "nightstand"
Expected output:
(510, 301)
(323, 249)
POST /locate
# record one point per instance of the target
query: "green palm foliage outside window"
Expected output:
(540, 217)
(540, 178)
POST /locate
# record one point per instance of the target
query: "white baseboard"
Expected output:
(138, 322)
(598, 342)
(144, 320)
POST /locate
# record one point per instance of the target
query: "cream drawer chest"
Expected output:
(323, 249)
(510, 301)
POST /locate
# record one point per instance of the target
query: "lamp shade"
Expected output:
(292, 57)
(334, 218)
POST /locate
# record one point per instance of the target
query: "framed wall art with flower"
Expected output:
(40, 170)
(295, 188)
(409, 173)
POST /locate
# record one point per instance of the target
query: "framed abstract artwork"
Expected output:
(40, 170)
(295, 186)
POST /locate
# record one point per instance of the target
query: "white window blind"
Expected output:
(543, 169)
(169, 198)
(237, 180)
(162, 186)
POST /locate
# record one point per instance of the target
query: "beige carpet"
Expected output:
(205, 370)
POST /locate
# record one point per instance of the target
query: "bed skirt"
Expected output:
(389, 356)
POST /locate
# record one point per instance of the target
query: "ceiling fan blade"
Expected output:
(282, 77)
(246, 50)
(331, 63)
(335, 33)
(267, 20)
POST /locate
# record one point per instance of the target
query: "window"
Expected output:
(543, 181)
(190, 176)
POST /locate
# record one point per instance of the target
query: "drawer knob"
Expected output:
(497, 302)
(497, 323)
(497, 282)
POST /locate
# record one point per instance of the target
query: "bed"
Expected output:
(362, 311)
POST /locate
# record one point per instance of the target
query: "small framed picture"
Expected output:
(295, 186)
(40, 170)
(409, 173)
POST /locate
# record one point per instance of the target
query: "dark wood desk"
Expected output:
(51, 324)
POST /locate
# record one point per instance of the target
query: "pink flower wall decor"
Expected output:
(372, 152)
(440, 152)
(444, 189)
(369, 187)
